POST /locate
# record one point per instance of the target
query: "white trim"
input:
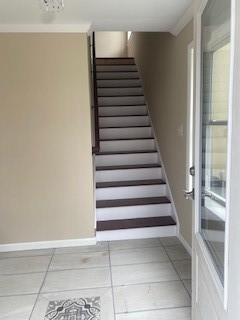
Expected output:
(48, 28)
(185, 243)
(47, 244)
(183, 21)
(141, 233)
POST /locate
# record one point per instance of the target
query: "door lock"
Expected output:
(189, 195)
(192, 171)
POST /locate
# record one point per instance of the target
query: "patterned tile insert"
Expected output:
(74, 309)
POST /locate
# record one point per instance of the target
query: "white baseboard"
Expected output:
(185, 244)
(46, 244)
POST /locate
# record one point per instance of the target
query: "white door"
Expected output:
(216, 234)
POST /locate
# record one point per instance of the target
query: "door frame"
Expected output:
(233, 167)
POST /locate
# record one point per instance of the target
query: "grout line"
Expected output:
(39, 291)
(172, 262)
(159, 309)
(110, 266)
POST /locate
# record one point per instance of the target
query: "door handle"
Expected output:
(189, 195)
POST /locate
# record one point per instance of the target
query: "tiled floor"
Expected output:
(135, 280)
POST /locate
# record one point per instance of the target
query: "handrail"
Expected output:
(96, 148)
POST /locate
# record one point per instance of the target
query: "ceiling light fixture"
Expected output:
(52, 5)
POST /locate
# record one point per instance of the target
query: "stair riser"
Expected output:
(130, 192)
(117, 75)
(141, 233)
(115, 61)
(109, 68)
(129, 133)
(119, 91)
(127, 145)
(118, 213)
(128, 174)
(121, 101)
(119, 83)
(122, 111)
(124, 121)
(126, 159)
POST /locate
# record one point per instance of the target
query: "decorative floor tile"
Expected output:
(138, 255)
(103, 297)
(77, 279)
(74, 309)
(143, 273)
(80, 260)
(131, 244)
(16, 308)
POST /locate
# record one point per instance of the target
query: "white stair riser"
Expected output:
(130, 133)
(119, 83)
(124, 121)
(119, 91)
(127, 145)
(119, 213)
(122, 111)
(117, 75)
(141, 233)
(126, 159)
(128, 174)
(130, 192)
(122, 67)
(120, 101)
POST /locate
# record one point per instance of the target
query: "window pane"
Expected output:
(215, 105)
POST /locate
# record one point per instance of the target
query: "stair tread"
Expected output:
(120, 95)
(123, 87)
(120, 105)
(129, 183)
(131, 202)
(115, 71)
(131, 166)
(127, 139)
(128, 127)
(104, 153)
(125, 116)
(135, 223)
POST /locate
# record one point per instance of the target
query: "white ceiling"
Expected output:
(114, 15)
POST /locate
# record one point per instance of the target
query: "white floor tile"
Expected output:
(21, 284)
(26, 253)
(105, 295)
(99, 247)
(177, 252)
(183, 268)
(136, 243)
(150, 297)
(138, 255)
(80, 260)
(188, 285)
(16, 308)
(77, 279)
(143, 273)
(24, 265)
(170, 241)
(165, 314)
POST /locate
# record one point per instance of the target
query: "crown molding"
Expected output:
(45, 28)
(184, 20)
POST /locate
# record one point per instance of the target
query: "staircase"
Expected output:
(131, 193)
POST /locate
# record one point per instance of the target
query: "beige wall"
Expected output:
(162, 60)
(46, 178)
(111, 44)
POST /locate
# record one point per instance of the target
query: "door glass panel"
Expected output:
(215, 105)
